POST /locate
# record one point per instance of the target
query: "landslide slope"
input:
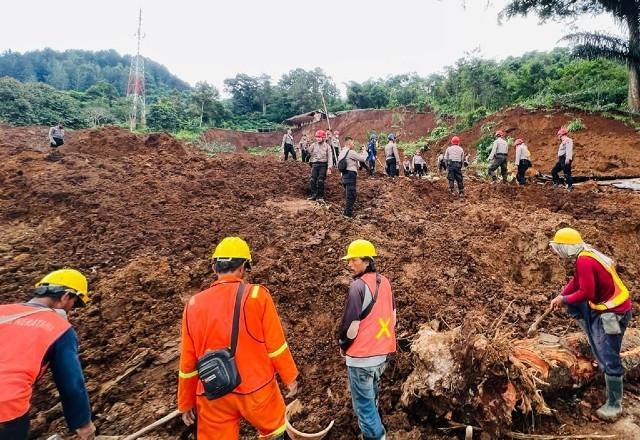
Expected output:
(140, 215)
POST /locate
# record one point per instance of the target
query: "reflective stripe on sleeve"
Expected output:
(275, 433)
(254, 291)
(279, 351)
(187, 375)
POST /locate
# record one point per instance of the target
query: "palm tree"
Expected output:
(594, 44)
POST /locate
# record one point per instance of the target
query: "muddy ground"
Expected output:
(140, 215)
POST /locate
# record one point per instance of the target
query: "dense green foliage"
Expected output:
(80, 69)
(592, 45)
(469, 90)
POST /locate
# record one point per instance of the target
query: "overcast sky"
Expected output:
(349, 39)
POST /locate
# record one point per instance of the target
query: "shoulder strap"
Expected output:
(366, 311)
(236, 319)
(9, 318)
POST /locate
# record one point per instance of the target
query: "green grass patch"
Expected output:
(265, 151)
(576, 125)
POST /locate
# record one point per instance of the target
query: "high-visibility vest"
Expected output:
(25, 342)
(620, 293)
(376, 333)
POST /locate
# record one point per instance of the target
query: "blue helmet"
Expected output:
(391, 137)
(373, 135)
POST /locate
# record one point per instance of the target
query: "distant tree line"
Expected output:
(47, 86)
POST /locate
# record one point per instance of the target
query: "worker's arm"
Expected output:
(67, 374)
(584, 283)
(396, 154)
(274, 339)
(518, 154)
(51, 134)
(446, 155)
(188, 374)
(360, 157)
(350, 323)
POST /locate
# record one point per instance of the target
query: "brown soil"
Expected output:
(407, 124)
(606, 147)
(140, 215)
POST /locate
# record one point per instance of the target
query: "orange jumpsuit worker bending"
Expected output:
(261, 352)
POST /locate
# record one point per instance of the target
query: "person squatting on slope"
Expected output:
(35, 336)
(367, 335)
(232, 313)
(56, 135)
(498, 157)
(392, 156)
(454, 156)
(321, 159)
(348, 161)
(599, 300)
(419, 165)
(565, 159)
(523, 160)
(372, 147)
(406, 166)
(288, 145)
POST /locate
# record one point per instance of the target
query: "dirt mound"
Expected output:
(140, 215)
(408, 124)
(606, 147)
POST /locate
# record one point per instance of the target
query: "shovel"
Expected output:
(294, 408)
(534, 327)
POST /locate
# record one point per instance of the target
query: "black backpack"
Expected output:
(218, 370)
(342, 163)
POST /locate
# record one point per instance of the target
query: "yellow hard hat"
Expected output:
(567, 236)
(360, 249)
(69, 278)
(232, 247)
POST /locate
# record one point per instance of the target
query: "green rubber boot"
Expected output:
(611, 410)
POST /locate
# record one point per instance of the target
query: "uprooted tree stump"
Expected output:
(487, 377)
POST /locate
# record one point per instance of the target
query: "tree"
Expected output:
(206, 96)
(163, 115)
(245, 93)
(305, 88)
(593, 44)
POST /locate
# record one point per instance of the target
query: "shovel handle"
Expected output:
(534, 326)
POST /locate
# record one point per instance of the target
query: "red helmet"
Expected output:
(321, 134)
(518, 142)
(455, 140)
(562, 132)
(500, 133)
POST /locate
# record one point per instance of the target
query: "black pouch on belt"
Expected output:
(218, 370)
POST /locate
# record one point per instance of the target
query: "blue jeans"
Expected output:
(364, 396)
(605, 347)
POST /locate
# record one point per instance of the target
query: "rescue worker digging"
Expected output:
(498, 157)
(240, 322)
(598, 299)
(36, 335)
(348, 161)
(454, 156)
(392, 156)
(565, 159)
(321, 159)
(367, 335)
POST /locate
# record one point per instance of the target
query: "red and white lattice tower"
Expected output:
(135, 86)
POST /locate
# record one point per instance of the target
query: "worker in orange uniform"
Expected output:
(250, 354)
(367, 335)
(35, 336)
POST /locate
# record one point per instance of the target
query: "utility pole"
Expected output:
(135, 85)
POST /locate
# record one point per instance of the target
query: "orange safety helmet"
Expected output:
(455, 140)
(562, 132)
(321, 134)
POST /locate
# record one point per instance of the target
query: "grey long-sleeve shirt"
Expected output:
(321, 153)
(56, 132)
(391, 150)
(499, 146)
(352, 158)
(418, 160)
(454, 153)
(522, 152)
(566, 148)
(287, 139)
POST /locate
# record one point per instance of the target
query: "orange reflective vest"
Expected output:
(376, 333)
(206, 325)
(25, 342)
(620, 293)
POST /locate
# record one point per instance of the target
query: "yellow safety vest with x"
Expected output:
(384, 328)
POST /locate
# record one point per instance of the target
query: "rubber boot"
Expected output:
(611, 410)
